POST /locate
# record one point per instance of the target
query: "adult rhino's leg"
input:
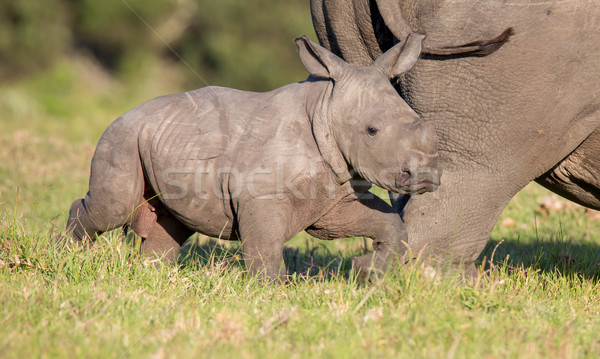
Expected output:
(116, 185)
(337, 21)
(577, 177)
(371, 217)
(454, 224)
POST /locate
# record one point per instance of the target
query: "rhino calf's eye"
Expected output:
(372, 131)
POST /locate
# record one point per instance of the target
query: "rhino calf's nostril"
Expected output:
(405, 176)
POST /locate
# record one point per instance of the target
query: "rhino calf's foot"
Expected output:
(362, 266)
(80, 225)
(366, 268)
(61, 243)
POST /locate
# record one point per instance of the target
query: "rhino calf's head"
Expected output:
(361, 124)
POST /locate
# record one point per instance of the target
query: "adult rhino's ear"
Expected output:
(317, 60)
(402, 57)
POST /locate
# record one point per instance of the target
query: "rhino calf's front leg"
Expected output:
(264, 227)
(368, 216)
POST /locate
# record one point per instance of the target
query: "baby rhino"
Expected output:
(261, 167)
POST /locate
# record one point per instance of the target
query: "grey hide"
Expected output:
(529, 110)
(261, 167)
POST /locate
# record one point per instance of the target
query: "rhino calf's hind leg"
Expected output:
(80, 223)
(163, 235)
(87, 220)
(116, 185)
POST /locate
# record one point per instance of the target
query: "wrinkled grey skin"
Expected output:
(261, 167)
(528, 111)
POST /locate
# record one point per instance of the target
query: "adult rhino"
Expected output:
(526, 111)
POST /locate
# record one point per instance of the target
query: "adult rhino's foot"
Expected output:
(465, 272)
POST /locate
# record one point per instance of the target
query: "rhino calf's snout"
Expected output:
(421, 173)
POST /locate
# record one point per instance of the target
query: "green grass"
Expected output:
(110, 302)
(537, 296)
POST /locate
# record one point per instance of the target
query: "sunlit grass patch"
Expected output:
(111, 301)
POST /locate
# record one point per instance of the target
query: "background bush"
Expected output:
(246, 44)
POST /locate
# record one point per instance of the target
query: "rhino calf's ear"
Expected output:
(402, 57)
(319, 61)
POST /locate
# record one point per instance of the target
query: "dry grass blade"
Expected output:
(15, 263)
(277, 320)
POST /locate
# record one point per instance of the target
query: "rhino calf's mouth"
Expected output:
(407, 183)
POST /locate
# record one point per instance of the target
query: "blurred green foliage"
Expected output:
(236, 43)
(68, 68)
(31, 36)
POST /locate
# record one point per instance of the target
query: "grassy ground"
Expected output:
(537, 296)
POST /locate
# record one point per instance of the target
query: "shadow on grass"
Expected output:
(566, 257)
(312, 258)
(306, 258)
